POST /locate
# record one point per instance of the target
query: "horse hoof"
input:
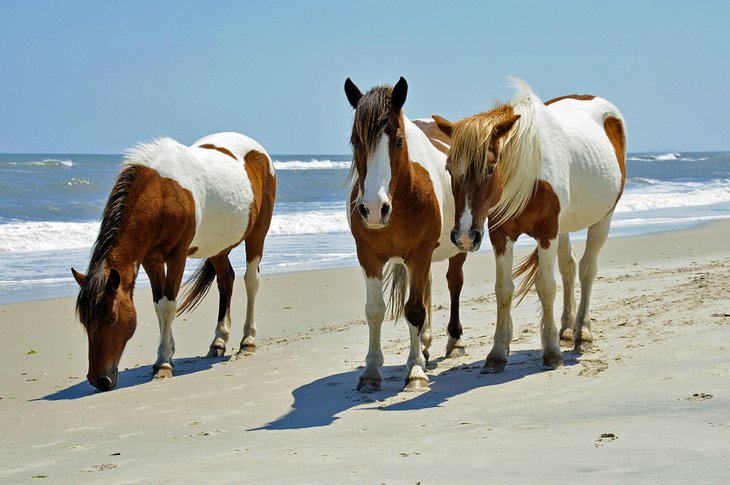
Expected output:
(552, 361)
(216, 352)
(455, 352)
(163, 371)
(368, 384)
(247, 349)
(493, 366)
(566, 338)
(417, 384)
(583, 346)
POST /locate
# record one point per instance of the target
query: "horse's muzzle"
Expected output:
(106, 382)
(375, 222)
(467, 242)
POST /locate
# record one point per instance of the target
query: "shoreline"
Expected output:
(648, 402)
(69, 290)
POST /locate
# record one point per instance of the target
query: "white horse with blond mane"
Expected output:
(542, 169)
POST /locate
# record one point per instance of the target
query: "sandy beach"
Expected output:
(649, 403)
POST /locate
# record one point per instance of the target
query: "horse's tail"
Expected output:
(529, 266)
(396, 285)
(197, 286)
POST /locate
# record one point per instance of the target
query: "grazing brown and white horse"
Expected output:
(401, 211)
(169, 202)
(544, 170)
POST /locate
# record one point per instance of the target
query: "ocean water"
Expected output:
(50, 207)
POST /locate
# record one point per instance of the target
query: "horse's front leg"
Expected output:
(165, 309)
(504, 290)
(545, 286)
(455, 279)
(419, 269)
(370, 379)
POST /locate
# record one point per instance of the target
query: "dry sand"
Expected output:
(649, 403)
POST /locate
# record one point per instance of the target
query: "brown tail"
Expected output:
(529, 266)
(197, 286)
(396, 284)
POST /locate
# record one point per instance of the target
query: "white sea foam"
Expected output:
(675, 195)
(51, 236)
(50, 162)
(315, 222)
(311, 165)
(665, 156)
(46, 236)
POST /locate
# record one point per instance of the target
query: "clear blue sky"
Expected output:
(98, 76)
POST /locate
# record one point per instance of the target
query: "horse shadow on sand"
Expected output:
(320, 402)
(135, 376)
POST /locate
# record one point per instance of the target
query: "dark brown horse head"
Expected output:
(107, 312)
(379, 149)
(474, 165)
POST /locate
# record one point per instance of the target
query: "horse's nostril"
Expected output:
(385, 210)
(453, 238)
(362, 210)
(104, 383)
(476, 237)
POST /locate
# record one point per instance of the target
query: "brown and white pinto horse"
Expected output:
(544, 170)
(400, 211)
(169, 202)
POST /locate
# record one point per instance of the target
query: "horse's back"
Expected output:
(596, 170)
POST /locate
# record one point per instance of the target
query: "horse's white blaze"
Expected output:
(465, 224)
(218, 183)
(377, 182)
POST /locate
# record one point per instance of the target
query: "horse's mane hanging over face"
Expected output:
(371, 119)
(89, 302)
(472, 139)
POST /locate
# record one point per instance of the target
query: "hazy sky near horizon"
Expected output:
(98, 77)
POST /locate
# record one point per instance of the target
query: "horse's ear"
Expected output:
(353, 92)
(112, 283)
(503, 128)
(443, 124)
(400, 91)
(79, 277)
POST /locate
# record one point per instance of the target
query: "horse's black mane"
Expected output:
(88, 303)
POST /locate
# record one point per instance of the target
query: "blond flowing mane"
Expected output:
(520, 161)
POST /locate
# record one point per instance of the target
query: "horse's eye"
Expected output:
(490, 171)
(399, 142)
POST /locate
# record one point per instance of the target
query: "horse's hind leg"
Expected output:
(224, 277)
(455, 280)
(254, 252)
(426, 329)
(597, 235)
(566, 263)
